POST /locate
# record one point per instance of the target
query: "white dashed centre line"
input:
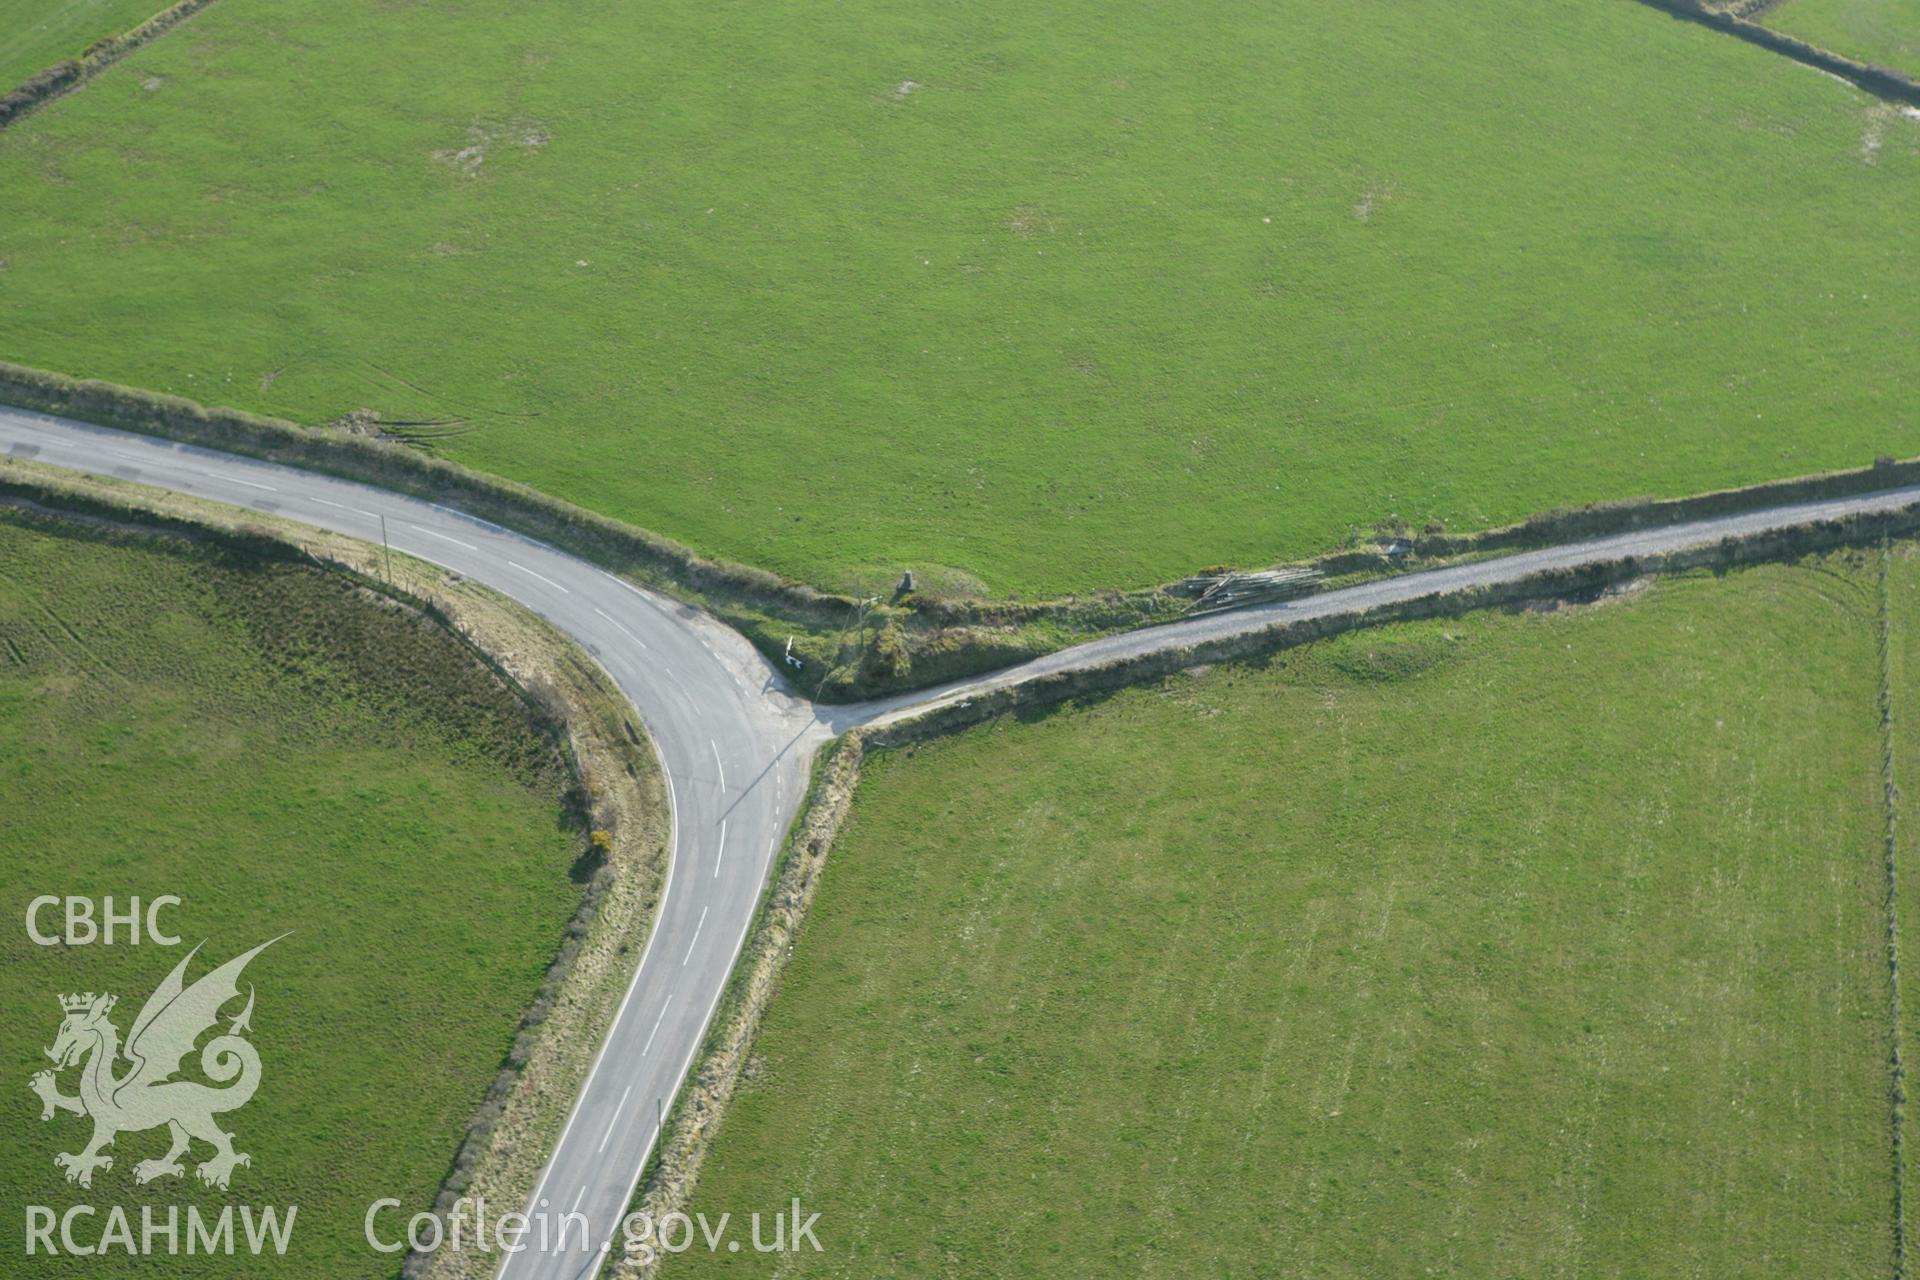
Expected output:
(616, 1117)
(467, 515)
(253, 484)
(359, 511)
(656, 1026)
(716, 763)
(623, 631)
(695, 938)
(433, 533)
(622, 582)
(541, 576)
(722, 855)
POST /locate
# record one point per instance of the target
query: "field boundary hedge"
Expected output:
(1547, 584)
(1884, 82)
(1890, 817)
(1601, 519)
(66, 76)
(944, 639)
(404, 469)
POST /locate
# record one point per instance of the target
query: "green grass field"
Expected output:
(1882, 31)
(1059, 297)
(35, 34)
(1518, 945)
(285, 757)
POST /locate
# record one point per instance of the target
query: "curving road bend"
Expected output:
(735, 743)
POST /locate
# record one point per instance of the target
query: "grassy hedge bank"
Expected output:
(65, 76)
(1883, 81)
(407, 470)
(943, 639)
(1042, 691)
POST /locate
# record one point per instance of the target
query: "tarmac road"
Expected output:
(735, 742)
(1369, 595)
